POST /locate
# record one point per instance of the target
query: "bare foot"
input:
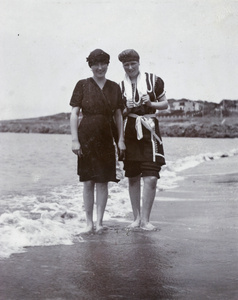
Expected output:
(87, 230)
(99, 229)
(133, 225)
(148, 226)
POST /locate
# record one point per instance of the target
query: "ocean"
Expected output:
(41, 198)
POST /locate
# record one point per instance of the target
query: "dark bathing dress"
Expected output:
(143, 150)
(95, 129)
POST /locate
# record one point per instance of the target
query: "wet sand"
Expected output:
(193, 255)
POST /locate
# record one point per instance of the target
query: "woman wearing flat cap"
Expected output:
(100, 102)
(143, 95)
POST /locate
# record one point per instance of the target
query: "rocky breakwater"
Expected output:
(205, 127)
(200, 127)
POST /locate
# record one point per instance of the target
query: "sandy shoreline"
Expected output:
(192, 256)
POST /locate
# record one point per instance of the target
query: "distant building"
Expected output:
(229, 105)
(199, 108)
(185, 106)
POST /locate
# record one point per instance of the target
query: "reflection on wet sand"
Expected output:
(130, 266)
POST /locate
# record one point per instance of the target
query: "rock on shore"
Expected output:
(211, 127)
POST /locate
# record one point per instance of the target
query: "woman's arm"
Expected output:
(120, 130)
(74, 122)
(161, 104)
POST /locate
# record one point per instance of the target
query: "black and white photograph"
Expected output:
(119, 150)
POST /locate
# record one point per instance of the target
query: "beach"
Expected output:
(192, 255)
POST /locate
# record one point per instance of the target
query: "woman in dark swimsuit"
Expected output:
(100, 102)
(143, 94)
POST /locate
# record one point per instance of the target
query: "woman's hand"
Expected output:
(122, 149)
(76, 148)
(146, 100)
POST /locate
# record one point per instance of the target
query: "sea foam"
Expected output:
(57, 216)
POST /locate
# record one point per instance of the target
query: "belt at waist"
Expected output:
(146, 116)
(96, 114)
(148, 123)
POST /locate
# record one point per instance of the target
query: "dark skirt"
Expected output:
(97, 170)
(98, 162)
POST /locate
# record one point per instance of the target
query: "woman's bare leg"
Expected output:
(134, 192)
(88, 197)
(149, 192)
(101, 196)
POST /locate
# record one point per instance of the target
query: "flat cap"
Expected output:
(128, 55)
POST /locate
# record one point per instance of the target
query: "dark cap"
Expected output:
(96, 56)
(128, 55)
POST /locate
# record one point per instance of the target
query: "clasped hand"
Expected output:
(145, 99)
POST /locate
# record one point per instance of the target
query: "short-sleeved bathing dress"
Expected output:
(148, 148)
(95, 129)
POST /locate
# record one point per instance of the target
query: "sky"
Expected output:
(191, 44)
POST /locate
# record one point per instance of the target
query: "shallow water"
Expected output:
(41, 198)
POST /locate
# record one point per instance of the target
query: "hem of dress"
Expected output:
(97, 181)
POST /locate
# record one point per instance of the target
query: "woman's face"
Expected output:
(131, 68)
(99, 69)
